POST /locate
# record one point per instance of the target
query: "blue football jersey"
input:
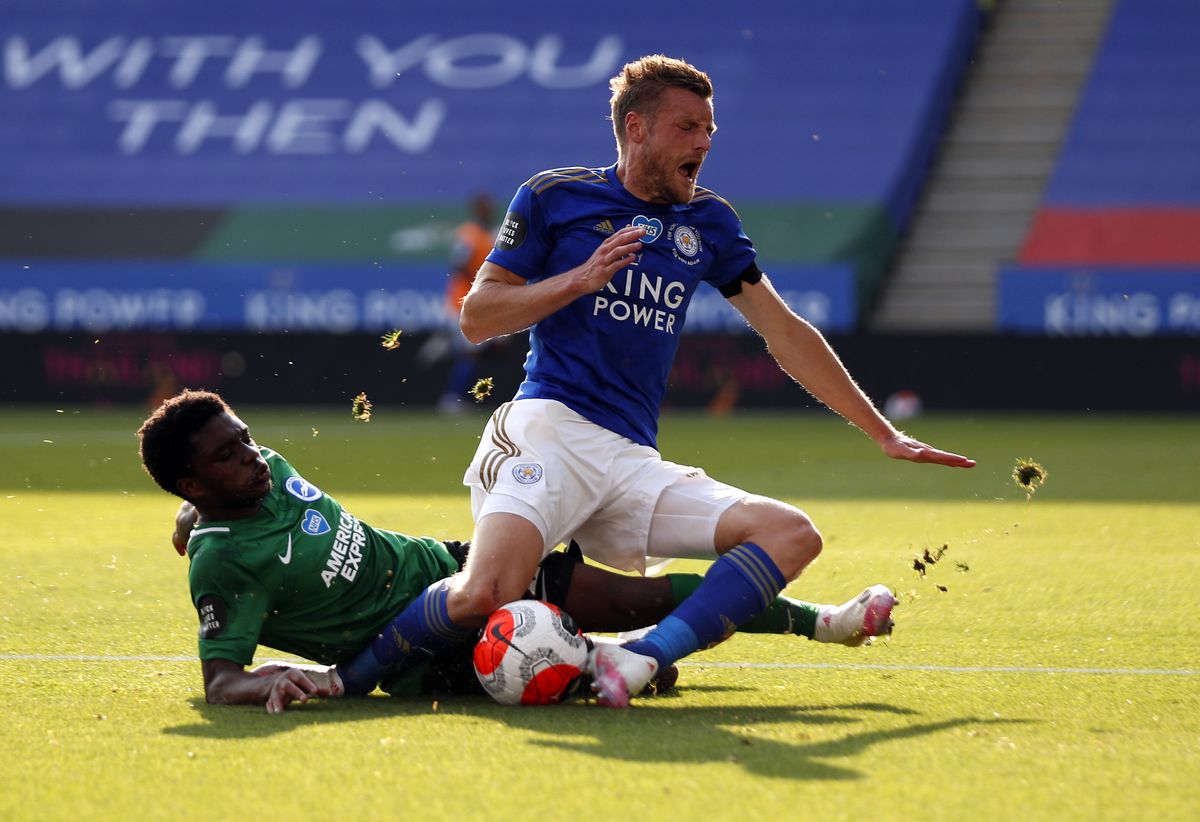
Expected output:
(607, 355)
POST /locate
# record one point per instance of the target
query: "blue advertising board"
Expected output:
(183, 102)
(1095, 302)
(329, 299)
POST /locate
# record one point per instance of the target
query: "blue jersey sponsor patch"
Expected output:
(653, 226)
(314, 523)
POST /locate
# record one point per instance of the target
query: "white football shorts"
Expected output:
(573, 479)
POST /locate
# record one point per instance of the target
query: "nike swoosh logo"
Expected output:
(500, 637)
(287, 558)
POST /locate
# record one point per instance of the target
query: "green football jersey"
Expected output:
(303, 575)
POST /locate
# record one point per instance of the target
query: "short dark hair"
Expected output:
(165, 438)
(639, 85)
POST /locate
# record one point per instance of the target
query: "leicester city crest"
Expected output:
(687, 243)
(527, 473)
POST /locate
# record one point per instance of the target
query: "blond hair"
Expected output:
(640, 84)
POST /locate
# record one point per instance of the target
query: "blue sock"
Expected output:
(423, 627)
(738, 586)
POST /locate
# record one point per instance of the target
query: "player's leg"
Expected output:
(765, 522)
(739, 585)
(504, 556)
(600, 600)
(604, 601)
(516, 512)
(505, 551)
(684, 522)
(761, 544)
(784, 615)
(852, 623)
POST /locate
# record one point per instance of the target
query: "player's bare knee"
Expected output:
(806, 538)
(797, 542)
(478, 596)
(783, 531)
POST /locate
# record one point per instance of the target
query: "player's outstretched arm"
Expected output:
(802, 351)
(227, 683)
(501, 303)
(904, 447)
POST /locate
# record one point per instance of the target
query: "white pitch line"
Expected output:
(953, 669)
(794, 666)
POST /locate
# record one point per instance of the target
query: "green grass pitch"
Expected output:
(1056, 676)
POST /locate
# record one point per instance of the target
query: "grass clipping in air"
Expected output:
(1029, 476)
(482, 389)
(360, 409)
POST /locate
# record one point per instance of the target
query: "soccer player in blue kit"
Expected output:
(600, 264)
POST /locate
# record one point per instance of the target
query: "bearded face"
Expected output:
(676, 139)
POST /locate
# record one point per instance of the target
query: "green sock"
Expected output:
(783, 616)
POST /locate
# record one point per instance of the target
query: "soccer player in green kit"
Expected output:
(275, 561)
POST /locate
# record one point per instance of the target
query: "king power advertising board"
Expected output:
(206, 297)
(1082, 301)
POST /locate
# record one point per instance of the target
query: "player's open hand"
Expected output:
(616, 252)
(291, 682)
(900, 446)
(290, 685)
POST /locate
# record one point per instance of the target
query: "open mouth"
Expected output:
(690, 170)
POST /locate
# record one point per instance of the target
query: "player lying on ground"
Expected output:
(275, 561)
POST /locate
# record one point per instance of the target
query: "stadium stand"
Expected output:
(1115, 245)
(271, 133)
(1127, 185)
(244, 196)
(993, 165)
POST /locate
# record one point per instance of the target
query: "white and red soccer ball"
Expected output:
(531, 653)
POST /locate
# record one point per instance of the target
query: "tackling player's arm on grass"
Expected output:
(275, 686)
(801, 350)
(232, 605)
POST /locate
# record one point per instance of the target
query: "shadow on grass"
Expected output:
(774, 741)
(731, 734)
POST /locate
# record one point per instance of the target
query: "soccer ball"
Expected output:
(530, 653)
